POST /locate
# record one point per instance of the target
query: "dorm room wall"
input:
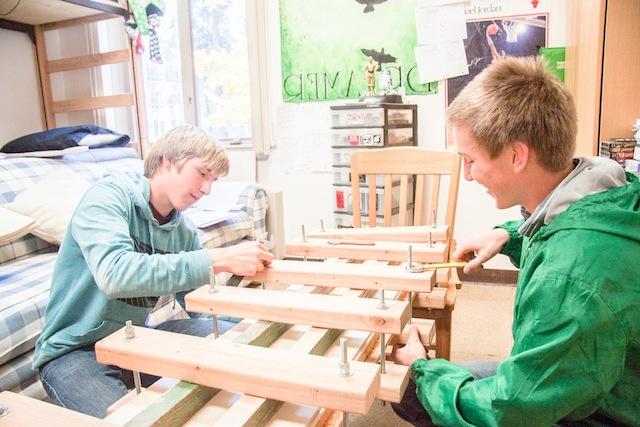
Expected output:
(300, 162)
(21, 110)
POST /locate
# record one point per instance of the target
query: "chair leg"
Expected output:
(442, 318)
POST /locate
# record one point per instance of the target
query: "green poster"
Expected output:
(326, 44)
(555, 60)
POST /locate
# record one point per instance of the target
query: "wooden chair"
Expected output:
(427, 167)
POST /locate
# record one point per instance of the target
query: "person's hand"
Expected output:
(412, 350)
(480, 248)
(243, 259)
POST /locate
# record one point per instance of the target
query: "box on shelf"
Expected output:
(354, 116)
(365, 137)
(618, 149)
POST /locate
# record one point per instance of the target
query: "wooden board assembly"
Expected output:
(362, 276)
(327, 311)
(378, 250)
(275, 374)
(25, 411)
(408, 234)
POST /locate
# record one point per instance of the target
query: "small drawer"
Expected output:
(397, 116)
(400, 136)
(342, 156)
(357, 138)
(358, 117)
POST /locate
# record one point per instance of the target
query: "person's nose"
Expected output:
(205, 188)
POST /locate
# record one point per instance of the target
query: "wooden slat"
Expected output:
(410, 234)
(373, 213)
(385, 161)
(434, 299)
(45, 82)
(360, 276)
(427, 328)
(418, 203)
(81, 104)
(175, 407)
(86, 61)
(435, 198)
(270, 373)
(388, 197)
(393, 382)
(355, 198)
(382, 251)
(28, 412)
(325, 311)
(452, 197)
(404, 199)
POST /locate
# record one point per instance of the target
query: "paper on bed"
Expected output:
(202, 218)
(223, 196)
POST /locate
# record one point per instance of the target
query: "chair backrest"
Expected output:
(423, 166)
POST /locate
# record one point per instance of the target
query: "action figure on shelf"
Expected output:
(370, 75)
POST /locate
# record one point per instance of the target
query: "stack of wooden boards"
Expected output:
(283, 369)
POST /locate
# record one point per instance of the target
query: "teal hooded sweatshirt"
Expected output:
(576, 327)
(113, 264)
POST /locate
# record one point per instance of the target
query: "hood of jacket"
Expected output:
(591, 175)
(596, 201)
(139, 191)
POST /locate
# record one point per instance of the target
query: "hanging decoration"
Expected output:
(143, 22)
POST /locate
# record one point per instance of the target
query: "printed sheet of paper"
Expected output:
(441, 61)
(440, 32)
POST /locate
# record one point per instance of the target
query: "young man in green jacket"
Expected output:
(576, 327)
(126, 245)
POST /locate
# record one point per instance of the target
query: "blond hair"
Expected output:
(517, 99)
(183, 143)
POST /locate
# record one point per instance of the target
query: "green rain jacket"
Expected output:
(576, 328)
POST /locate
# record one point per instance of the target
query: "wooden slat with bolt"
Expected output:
(346, 275)
(379, 250)
(327, 311)
(407, 234)
(270, 373)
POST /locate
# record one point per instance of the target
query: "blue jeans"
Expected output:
(77, 381)
(411, 410)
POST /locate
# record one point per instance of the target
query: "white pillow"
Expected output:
(51, 202)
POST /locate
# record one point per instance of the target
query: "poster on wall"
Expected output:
(326, 45)
(491, 39)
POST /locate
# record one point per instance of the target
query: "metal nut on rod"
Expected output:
(345, 369)
(382, 305)
(212, 285)
(129, 330)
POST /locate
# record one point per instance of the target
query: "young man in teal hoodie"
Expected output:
(576, 327)
(127, 244)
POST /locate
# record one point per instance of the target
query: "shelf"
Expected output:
(37, 12)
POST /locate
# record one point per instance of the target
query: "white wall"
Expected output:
(21, 110)
(299, 164)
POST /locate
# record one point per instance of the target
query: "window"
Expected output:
(210, 72)
(163, 90)
(221, 68)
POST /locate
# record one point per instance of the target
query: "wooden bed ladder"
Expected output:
(133, 99)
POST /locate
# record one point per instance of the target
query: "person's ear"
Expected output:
(166, 163)
(520, 152)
